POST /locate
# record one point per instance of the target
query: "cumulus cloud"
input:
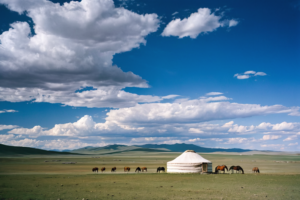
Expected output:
(57, 144)
(249, 74)
(293, 137)
(271, 137)
(3, 127)
(73, 53)
(293, 144)
(213, 93)
(8, 111)
(203, 21)
(191, 111)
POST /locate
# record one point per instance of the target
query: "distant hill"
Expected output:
(115, 148)
(112, 149)
(182, 147)
(6, 150)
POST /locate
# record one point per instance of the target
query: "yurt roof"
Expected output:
(189, 156)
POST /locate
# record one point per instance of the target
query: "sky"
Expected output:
(218, 74)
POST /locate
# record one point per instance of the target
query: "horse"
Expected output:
(126, 169)
(237, 168)
(102, 169)
(144, 169)
(113, 169)
(160, 169)
(222, 168)
(255, 170)
(138, 169)
(95, 169)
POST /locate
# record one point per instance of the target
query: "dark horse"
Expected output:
(237, 168)
(102, 169)
(113, 169)
(95, 169)
(138, 169)
(221, 168)
(255, 169)
(160, 169)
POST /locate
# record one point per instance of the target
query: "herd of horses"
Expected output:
(127, 169)
(238, 169)
(232, 168)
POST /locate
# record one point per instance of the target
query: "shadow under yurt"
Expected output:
(189, 162)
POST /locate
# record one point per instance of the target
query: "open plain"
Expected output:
(47, 177)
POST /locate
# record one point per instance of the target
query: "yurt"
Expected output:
(189, 162)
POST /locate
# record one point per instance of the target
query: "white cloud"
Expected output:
(260, 74)
(293, 144)
(249, 74)
(8, 111)
(73, 53)
(236, 140)
(238, 76)
(191, 111)
(293, 137)
(272, 145)
(195, 130)
(58, 144)
(213, 93)
(172, 96)
(233, 22)
(271, 137)
(3, 127)
(175, 13)
(202, 21)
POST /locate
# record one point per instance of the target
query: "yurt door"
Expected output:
(204, 167)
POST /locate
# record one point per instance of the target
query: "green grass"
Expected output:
(150, 186)
(30, 177)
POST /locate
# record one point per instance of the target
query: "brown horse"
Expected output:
(221, 168)
(113, 169)
(144, 169)
(102, 169)
(255, 170)
(237, 168)
(126, 169)
(95, 169)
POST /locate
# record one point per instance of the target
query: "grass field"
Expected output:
(30, 177)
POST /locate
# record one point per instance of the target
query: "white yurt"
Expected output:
(189, 162)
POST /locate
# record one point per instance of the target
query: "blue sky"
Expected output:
(98, 72)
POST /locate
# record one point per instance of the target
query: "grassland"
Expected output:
(30, 177)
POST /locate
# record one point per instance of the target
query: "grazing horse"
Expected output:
(95, 169)
(221, 168)
(255, 169)
(144, 169)
(138, 169)
(113, 169)
(102, 169)
(237, 168)
(160, 169)
(126, 169)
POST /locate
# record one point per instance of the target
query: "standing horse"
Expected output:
(113, 169)
(95, 169)
(255, 170)
(221, 168)
(237, 168)
(144, 169)
(160, 169)
(138, 169)
(126, 169)
(102, 169)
